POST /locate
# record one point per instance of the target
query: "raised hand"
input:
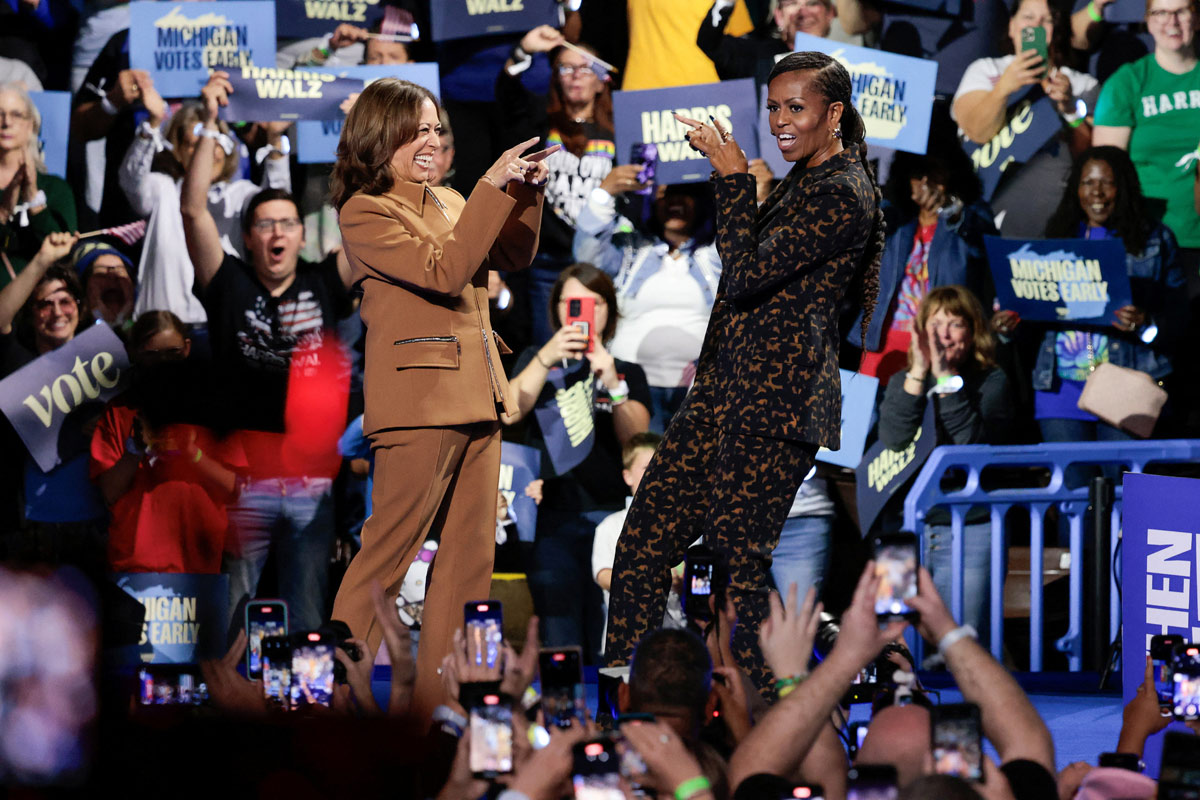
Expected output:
(215, 95)
(717, 144)
(511, 166)
(787, 634)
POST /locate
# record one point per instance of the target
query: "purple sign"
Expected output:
(882, 471)
(567, 418)
(519, 466)
(262, 94)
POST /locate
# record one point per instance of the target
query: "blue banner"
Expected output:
(567, 419)
(883, 472)
(1160, 575)
(92, 368)
(263, 94)
(1120, 11)
(647, 117)
(316, 141)
(180, 43)
(893, 93)
(519, 466)
(1031, 123)
(301, 19)
(55, 108)
(459, 19)
(1054, 280)
(186, 616)
(858, 408)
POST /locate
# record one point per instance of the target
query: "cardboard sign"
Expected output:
(858, 406)
(459, 19)
(91, 368)
(316, 141)
(301, 19)
(893, 93)
(1031, 123)
(180, 43)
(883, 472)
(520, 466)
(568, 418)
(262, 94)
(647, 117)
(55, 108)
(186, 616)
(1053, 280)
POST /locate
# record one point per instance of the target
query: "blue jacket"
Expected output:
(956, 256)
(1159, 288)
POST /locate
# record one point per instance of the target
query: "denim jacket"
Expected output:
(1158, 287)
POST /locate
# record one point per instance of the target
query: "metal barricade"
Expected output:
(926, 494)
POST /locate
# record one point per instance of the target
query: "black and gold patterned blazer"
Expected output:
(769, 365)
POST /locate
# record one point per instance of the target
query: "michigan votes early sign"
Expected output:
(1054, 280)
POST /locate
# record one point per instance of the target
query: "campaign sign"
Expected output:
(647, 116)
(1053, 280)
(893, 93)
(55, 109)
(91, 368)
(180, 43)
(1123, 11)
(459, 19)
(186, 616)
(300, 19)
(317, 140)
(882, 471)
(1160, 571)
(1031, 123)
(567, 419)
(519, 466)
(263, 94)
(858, 405)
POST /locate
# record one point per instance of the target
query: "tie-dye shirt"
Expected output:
(915, 283)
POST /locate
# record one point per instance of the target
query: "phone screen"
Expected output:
(312, 671)
(485, 631)
(698, 575)
(645, 156)
(491, 737)
(276, 670)
(563, 694)
(263, 618)
(597, 771)
(957, 749)
(1185, 697)
(169, 685)
(871, 783)
(896, 568)
(1162, 652)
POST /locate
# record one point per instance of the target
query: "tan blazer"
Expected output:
(421, 256)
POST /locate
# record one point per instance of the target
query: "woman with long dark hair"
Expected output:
(767, 393)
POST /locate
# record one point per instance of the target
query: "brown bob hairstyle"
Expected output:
(385, 117)
(595, 280)
(961, 302)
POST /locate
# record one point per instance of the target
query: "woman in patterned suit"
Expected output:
(767, 393)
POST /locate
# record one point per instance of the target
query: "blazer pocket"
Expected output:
(434, 352)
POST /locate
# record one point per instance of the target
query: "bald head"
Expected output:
(899, 735)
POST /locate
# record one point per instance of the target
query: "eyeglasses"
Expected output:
(49, 304)
(566, 71)
(15, 116)
(268, 225)
(1163, 14)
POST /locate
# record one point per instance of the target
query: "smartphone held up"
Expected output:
(896, 562)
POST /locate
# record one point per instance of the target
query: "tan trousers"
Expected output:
(427, 480)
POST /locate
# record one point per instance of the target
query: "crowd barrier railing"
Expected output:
(971, 460)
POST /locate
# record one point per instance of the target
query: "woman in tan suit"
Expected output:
(434, 385)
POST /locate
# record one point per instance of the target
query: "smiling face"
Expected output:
(577, 78)
(953, 333)
(1030, 14)
(803, 16)
(273, 243)
(1097, 192)
(16, 122)
(676, 211)
(800, 118)
(413, 161)
(1172, 24)
(55, 315)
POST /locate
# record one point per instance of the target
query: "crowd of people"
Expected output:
(278, 315)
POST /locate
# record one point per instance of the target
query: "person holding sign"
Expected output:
(435, 389)
(767, 392)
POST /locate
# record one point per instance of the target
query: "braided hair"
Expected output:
(831, 80)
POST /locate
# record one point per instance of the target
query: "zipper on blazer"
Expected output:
(429, 339)
(487, 356)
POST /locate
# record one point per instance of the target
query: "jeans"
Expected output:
(565, 596)
(664, 402)
(977, 564)
(295, 515)
(802, 555)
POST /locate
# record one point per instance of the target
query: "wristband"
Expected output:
(1093, 12)
(284, 149)
(947, 384)
(21, 210)
(1073, 123)
(692, 787)
(224, 141)
(620, 394)
(792, 681)
(951, 638)
(538, 356)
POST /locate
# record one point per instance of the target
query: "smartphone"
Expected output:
(491, 736)
(1185, 669)
(699, 583)
(563, 694)
(871, 782)
(1035, 39)
(483, 622)
(263, 618)
(1162, 652)
(957, 742)
(596, 774)
(1127, 761)
(645, 157)
(896, 567)
(581, 312)
(312, 669)
(857, 733)
(1179, 776)
(277, 671)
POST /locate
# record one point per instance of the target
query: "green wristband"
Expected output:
(794, 680)
(1093, 12)
(692, 787)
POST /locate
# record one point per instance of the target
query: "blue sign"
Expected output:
(264, 94)
(647, 117)
(186, 616)
(180, 43)
(55, 109)
(519, 466)
(1160, 574)
(1123, 11)
(858, 408)
(301, 19)
(567, 419)
(893, 93)
(316, 142)
(459, 19)
(1054, 280)
(1032, 121)
(882, 472)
